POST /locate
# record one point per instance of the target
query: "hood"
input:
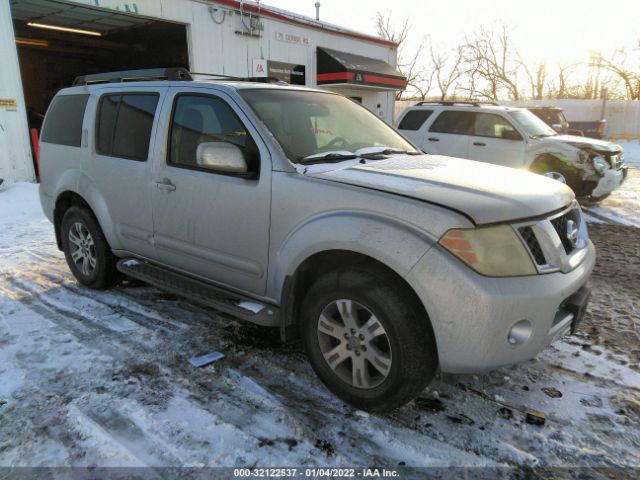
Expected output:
(486, 193)
(601, 146)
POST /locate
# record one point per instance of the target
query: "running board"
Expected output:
(201, 292)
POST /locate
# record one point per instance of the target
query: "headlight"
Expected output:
(600, 164)
(492, 251)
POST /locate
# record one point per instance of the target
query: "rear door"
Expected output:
(209, 223)
(449, 134)
(495, 140)
(120, 163)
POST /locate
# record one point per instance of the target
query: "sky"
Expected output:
(555, 30)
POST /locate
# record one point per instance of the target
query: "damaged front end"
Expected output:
(592, 168)
(603, 169)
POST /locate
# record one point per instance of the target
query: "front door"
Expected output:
(208, 222)
(495, 140)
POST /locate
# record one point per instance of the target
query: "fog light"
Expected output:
(520, 332)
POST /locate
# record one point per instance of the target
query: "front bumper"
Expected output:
(472, 315)
(611, 180)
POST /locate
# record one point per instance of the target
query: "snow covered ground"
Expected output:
(102, 379)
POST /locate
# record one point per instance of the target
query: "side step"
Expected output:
(201, 292)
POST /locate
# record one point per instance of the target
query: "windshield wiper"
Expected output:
(327, 157)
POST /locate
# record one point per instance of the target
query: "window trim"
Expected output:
(115, 123)
(248, 176)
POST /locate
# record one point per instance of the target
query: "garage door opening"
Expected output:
(58, 41)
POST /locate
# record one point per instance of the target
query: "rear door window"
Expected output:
(454, 121)
(63, 125)
(414, 119)
(125, 122)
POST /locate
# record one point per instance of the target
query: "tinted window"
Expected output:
(64, 120)
(491, 125)
(106, 123)
(414, 119)
(454, 122)
(203, 119)
(124, 125)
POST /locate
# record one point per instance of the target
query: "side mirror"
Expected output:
(221, 156)
(577, 133)
(511, 135)
(557, 127)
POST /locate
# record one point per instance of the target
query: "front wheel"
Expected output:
(368, 339)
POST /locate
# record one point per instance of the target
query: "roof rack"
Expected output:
(173, 73)
(450, 104)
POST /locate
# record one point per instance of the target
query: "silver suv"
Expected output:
(515, 137)
(299, 209)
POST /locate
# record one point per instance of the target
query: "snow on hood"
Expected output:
(586, 142)
(486, 193)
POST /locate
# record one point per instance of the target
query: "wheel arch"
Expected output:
(299, 281)
(86, 196)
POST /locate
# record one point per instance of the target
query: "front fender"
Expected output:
(396, 243)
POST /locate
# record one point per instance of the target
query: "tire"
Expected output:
(405, 352)
(86, 250)
(550, 166)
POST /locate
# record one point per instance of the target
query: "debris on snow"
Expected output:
(535, 418)
(552, 392)
(206, 359)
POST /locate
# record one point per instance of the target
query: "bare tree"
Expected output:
(447, 68)
(537, 77)
(491, 57)
(618, 65)
(407, 63)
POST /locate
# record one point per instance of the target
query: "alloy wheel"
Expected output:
(82, 248)
(354, 344)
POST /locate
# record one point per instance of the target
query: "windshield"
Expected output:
(313, 123)
(532, 125)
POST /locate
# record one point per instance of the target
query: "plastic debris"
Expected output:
(206, 359)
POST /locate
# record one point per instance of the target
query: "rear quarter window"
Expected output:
(414, 119)
(63, 124)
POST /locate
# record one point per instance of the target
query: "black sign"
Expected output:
(287, 72)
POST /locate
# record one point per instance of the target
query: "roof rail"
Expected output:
(450, 104)
(173, 73)
(217, 76)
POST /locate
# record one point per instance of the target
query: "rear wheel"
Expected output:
(86, 250)
(368, 339)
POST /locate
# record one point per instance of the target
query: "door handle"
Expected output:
(479, 144)
(165, 184)
(434, 139)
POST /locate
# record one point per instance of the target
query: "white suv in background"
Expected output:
(514, 137)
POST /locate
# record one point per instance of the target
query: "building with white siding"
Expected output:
(45, 44)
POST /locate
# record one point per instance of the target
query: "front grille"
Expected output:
(529, 236)
(560, 225)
